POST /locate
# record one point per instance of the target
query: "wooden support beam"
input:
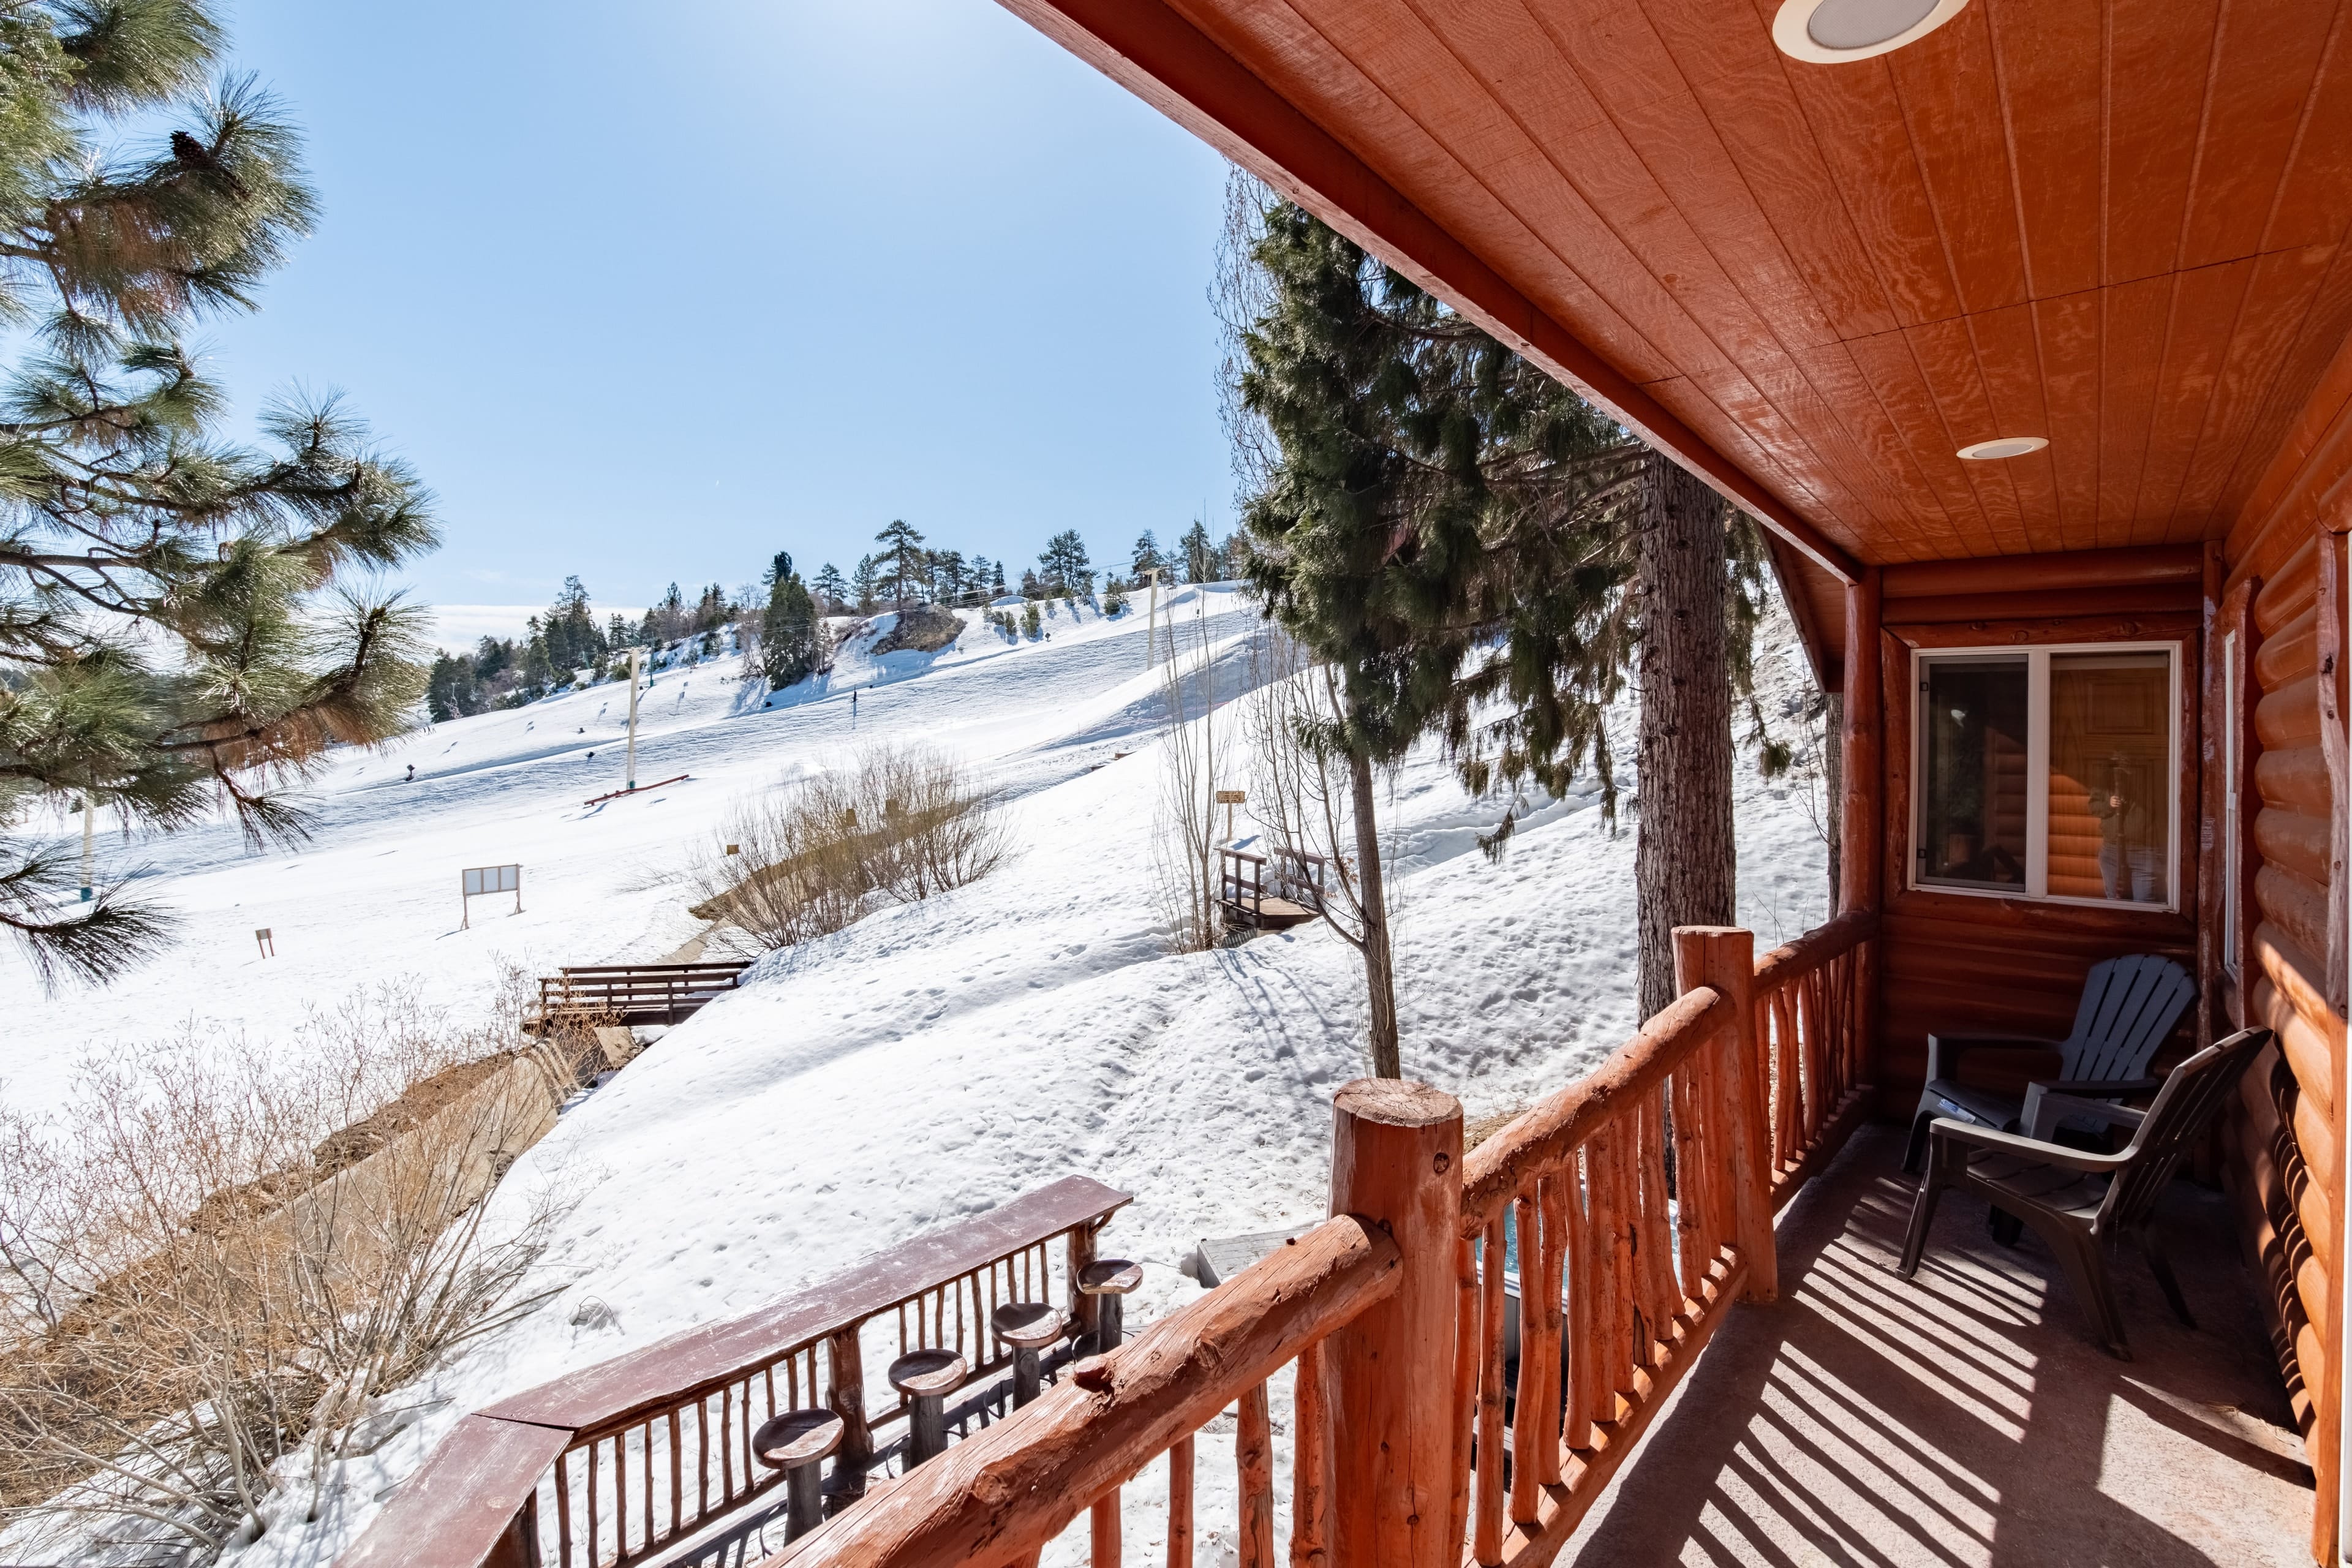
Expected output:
(1396, 1163)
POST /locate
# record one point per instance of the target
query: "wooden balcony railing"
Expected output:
(638, 1457)
(1640, 1199)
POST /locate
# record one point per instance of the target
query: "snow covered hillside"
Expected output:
(934, 1060)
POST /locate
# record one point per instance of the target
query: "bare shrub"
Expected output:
(1300, 790)
(898, 823)
(203, 1279)
(1185, 868)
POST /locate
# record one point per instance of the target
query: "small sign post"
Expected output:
(264, 941)
(481, 879)
(1230, 798)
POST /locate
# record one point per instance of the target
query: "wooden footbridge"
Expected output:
(630, 994)
(1244, 877)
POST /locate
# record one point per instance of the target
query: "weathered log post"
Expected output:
(1725, 958)
(1396, 1163)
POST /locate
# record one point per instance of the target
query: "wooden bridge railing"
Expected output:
(633, 992)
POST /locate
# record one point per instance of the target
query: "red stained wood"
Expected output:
(1180, 1462)
(610, 1393)
(460, 1501)
(1396, 1160)
(1005, 1492)
(1253, 1457)
(1310, 1468)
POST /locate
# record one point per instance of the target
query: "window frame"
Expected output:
(2037, 657)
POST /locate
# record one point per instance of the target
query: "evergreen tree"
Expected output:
(711, 612)
(1435, 495)
(1063, 565)
(619, 632)
(829, 588)
(792, 636)
(778, 568)
(574, 641)
(978, 577)
(1200, 555)
(903, 576)
(177, 626)
(865, 585)
(996, 578)
(667, 621)
(454, 690)
(1146, 557)
(1030, 588)
(947, 576)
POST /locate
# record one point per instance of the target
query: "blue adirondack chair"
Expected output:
(2129, 1005)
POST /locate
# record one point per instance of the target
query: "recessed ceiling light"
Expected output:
(2004, 446)
(1827, 32)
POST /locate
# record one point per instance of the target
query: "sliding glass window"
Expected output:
(2048, 773)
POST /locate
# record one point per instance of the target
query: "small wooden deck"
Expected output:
(1241, 896)
(1967, 1419)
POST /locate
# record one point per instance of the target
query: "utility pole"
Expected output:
(1152, 620)
(635, 655)
(88, 824)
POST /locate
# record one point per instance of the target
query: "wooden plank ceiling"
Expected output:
(2118, 224)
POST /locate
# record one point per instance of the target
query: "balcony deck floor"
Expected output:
(1966, 1418)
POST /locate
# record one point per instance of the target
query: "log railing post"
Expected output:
(1396, 1163)
(1724, 957)
(848, 1400)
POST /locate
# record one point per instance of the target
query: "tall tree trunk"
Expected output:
(1683, 861)
(1833, 790)
(1380, 973)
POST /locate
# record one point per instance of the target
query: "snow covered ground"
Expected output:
(932, 1061)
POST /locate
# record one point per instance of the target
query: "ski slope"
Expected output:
(935, 1060)
(373, 893)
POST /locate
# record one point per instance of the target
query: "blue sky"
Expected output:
(647, 292)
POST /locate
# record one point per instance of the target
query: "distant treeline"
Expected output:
(780, 627)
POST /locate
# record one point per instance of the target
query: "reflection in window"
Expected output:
(2110, 782)
(1973, 809)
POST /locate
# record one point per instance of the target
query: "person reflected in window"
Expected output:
(2126, 858)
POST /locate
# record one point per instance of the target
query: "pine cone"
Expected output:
(193, 152)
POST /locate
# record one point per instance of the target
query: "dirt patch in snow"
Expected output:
(926, 628)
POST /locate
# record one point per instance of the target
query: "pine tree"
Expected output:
(574, 641)
(1064, 566)
(996, 578)
(1146, 557)
(903, 575)
(1435, 494)
(177, 622)
(792, 635)
(829, 588)
(865, 583)
(979, 575)
(1200, 555)
(778, 568)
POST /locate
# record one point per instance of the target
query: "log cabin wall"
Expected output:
(2279, 959)
(2016, 965)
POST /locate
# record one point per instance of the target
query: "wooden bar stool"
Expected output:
(797, 1443)
(1107, 1280)
(1028, 1327)
(927, 1378)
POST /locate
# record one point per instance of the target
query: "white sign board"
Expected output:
(480, 879)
